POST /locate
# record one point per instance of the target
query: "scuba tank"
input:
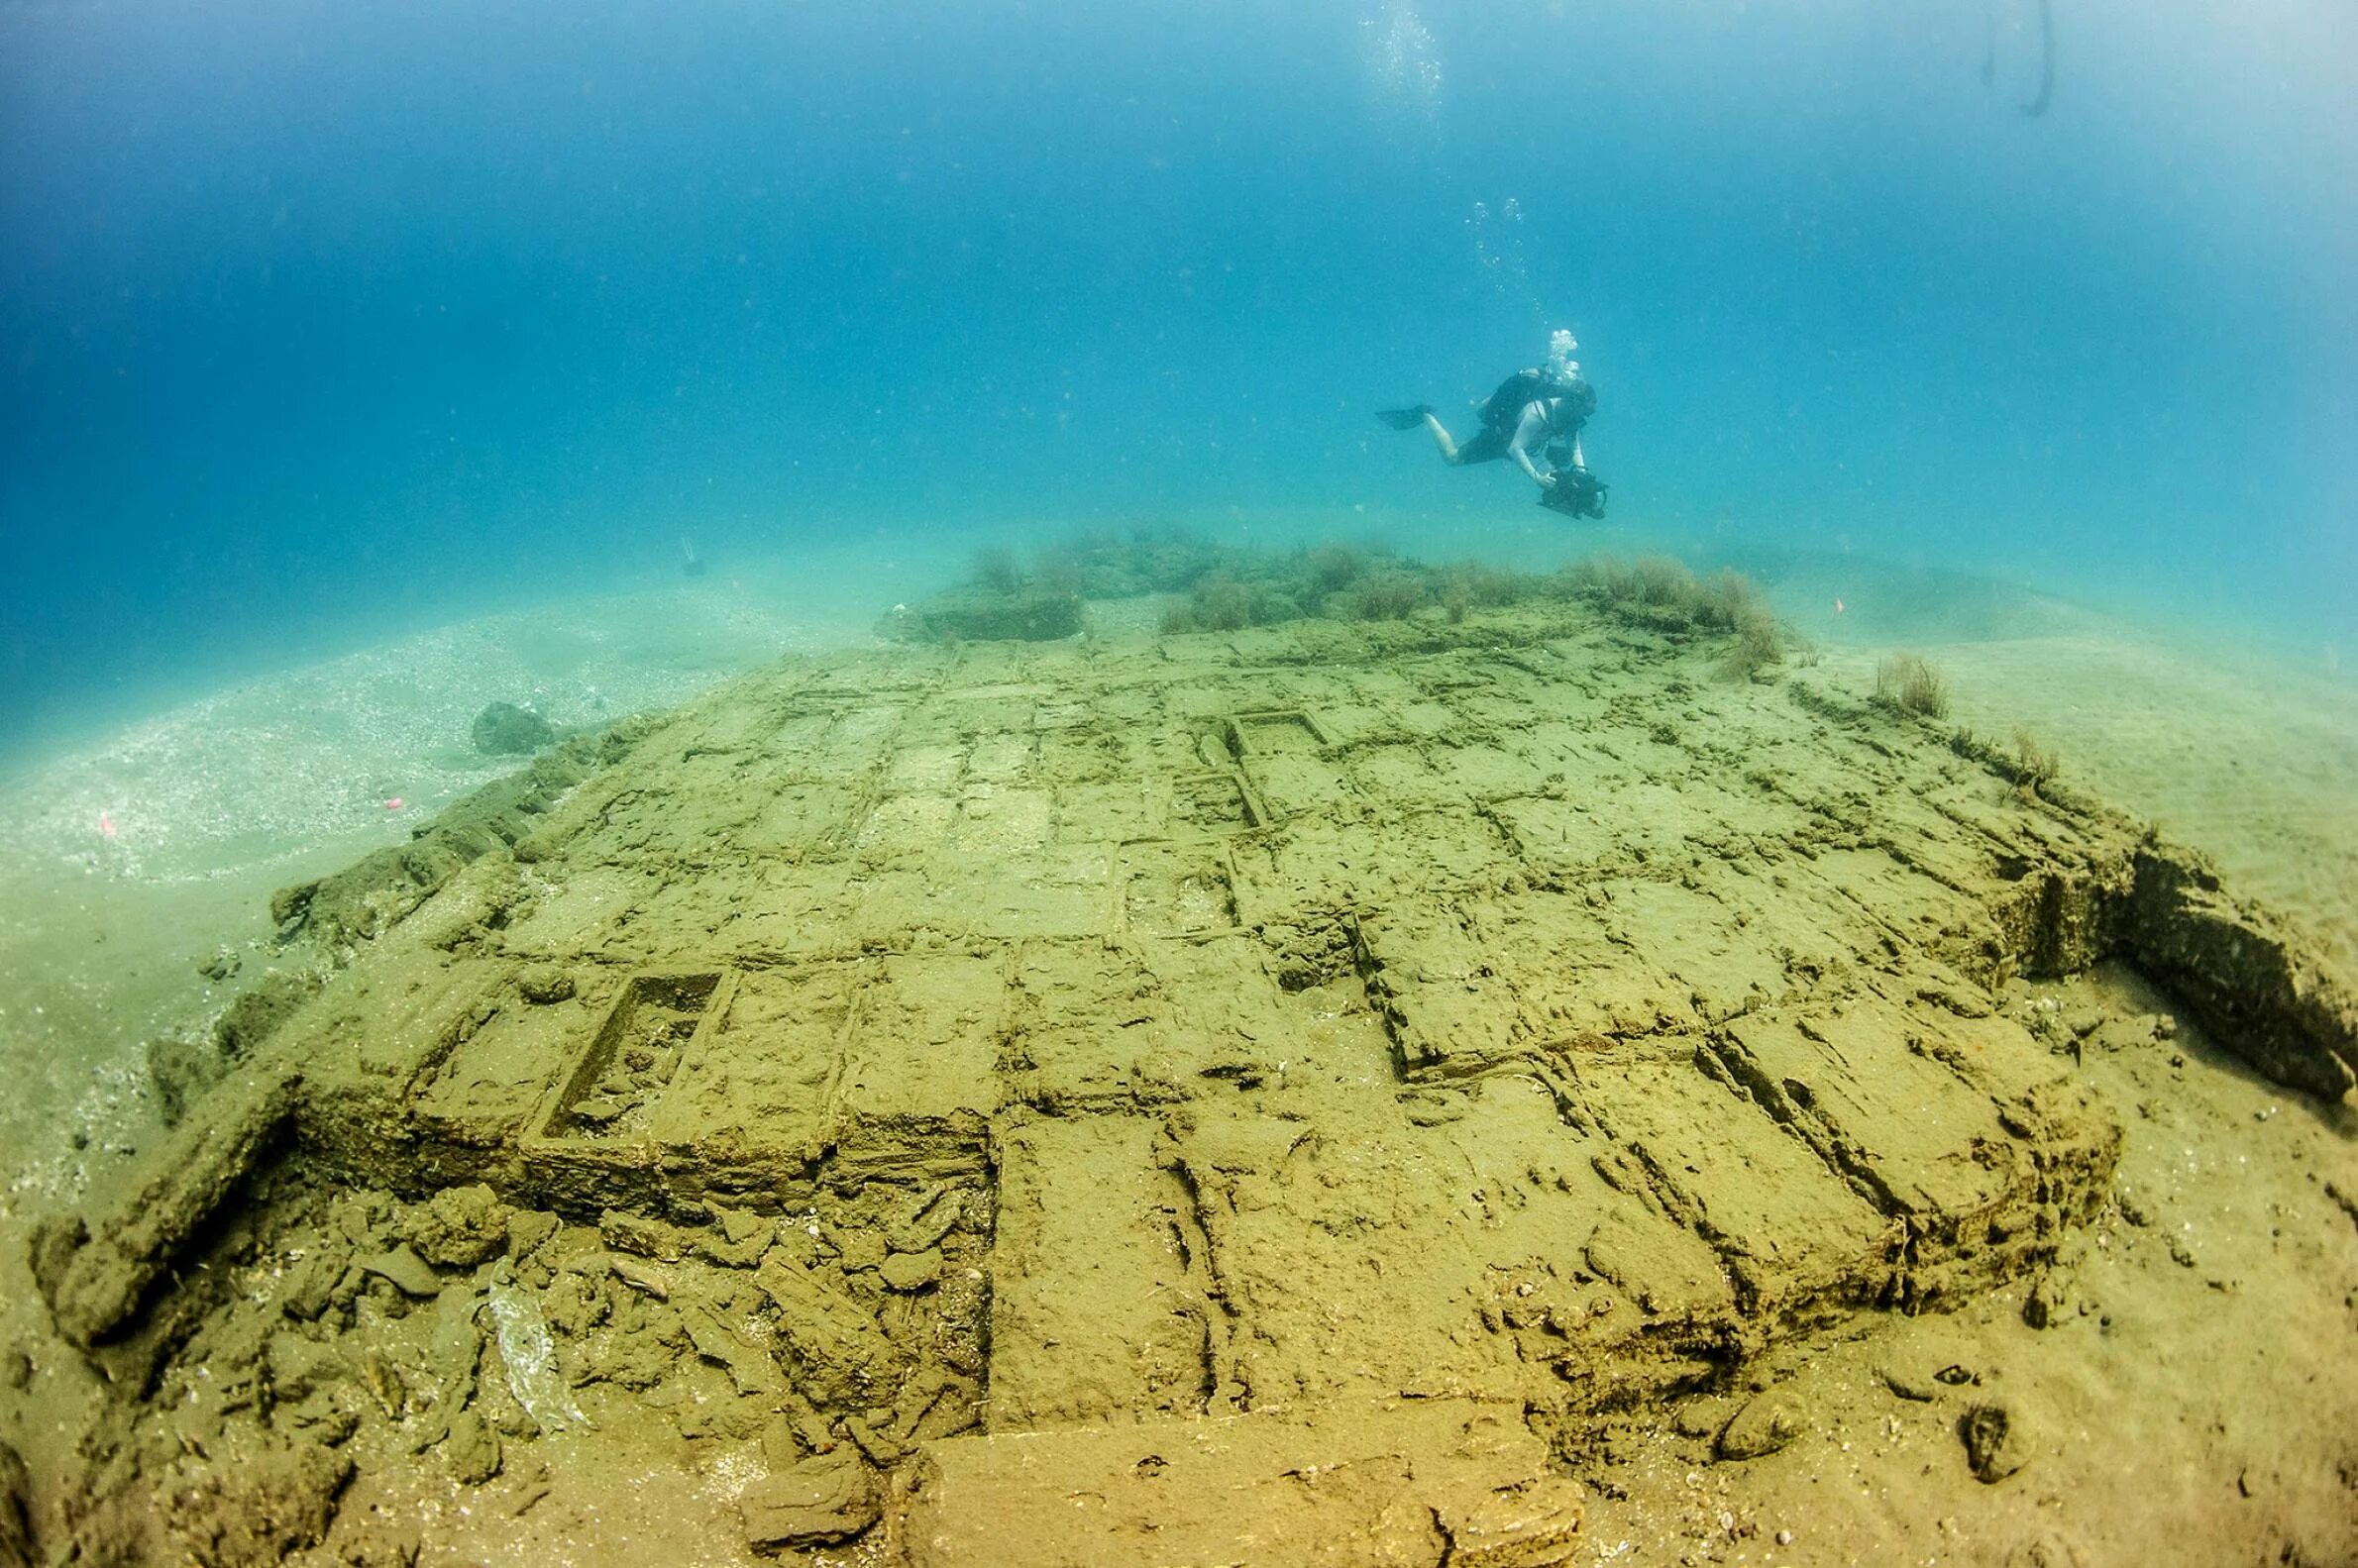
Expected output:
(1575, 400)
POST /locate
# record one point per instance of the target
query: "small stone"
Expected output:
(1995, 1443)
(871, 1436)
(825, 1498)
(1764, 1424)
(182, 1068)
(2048, 1550)
(926, 1224)
(545, 982)
(860, 1249)
(742, 1225)
(310, 1285)
(299, 1367)
(644, 1278)
(600, 1110)
(2048, 1302)
(1536, 1523)
(472, 1449)
(383, 1382)
(409, 1272)
(528, 1229)
(1700, 1417)
(504, 729)
(782, 1445)
(912, 1271)
(635, 1233)
(459, 1227)
(741, 1252)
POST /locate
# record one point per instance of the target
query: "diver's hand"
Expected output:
(1546, 480)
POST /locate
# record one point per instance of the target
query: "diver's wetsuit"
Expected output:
(1544, 420)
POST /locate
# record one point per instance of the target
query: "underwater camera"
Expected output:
(1576, 492)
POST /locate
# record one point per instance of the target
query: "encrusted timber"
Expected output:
(673, 1185)
(1670, 1355)
(2053, 1176)
(1779, 1305)
(1449, 1479)
(97, 1276)
(1467, 1025)
(382, 1125)
(679, 1181)
(1773, 1302)
(914, 1151)
(2252, 984)
(2158, 906)
(2073, 1147)
(379, 890)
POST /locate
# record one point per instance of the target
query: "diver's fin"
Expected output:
(1403, 418)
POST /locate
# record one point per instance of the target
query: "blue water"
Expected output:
(321, 320)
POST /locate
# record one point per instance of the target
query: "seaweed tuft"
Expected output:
(994, 569)
(1911, 684)
(1392, 595)
(2035, 764)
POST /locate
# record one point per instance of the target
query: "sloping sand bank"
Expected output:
(1475, 1092)
(130, 861)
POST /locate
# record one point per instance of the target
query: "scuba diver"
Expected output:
(1533, 411)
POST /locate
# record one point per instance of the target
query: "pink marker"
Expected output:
(106, 825)
(394, 804)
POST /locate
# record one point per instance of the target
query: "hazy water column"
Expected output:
(319, 322)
